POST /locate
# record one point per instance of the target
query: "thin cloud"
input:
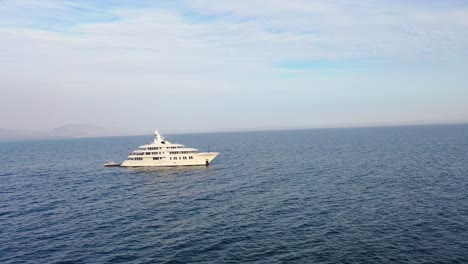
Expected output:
(77, 53)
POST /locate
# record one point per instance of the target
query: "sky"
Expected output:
(208, 65)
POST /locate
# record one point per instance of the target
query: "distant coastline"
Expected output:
(67, 131)
(91, 131)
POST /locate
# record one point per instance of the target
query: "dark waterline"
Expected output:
(365, 195)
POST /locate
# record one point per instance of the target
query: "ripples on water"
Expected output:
(329, 195)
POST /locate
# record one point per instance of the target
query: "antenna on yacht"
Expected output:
(158, 137)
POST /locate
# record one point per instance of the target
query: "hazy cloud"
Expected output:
(114, 62)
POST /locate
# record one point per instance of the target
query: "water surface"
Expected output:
(361, 195)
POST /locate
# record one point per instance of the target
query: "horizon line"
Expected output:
(242, 131)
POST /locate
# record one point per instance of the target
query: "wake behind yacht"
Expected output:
(162, 153)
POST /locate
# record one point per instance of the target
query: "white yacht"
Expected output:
(162, 153)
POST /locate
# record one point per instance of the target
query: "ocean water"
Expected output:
(358, 195)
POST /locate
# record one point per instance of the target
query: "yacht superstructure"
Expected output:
(162, 153)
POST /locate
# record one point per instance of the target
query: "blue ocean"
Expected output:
(350, 195)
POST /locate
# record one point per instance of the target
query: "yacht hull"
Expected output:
(182, 160)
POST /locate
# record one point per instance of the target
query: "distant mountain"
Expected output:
(85, 130)
(14, 134)
(68, 131)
